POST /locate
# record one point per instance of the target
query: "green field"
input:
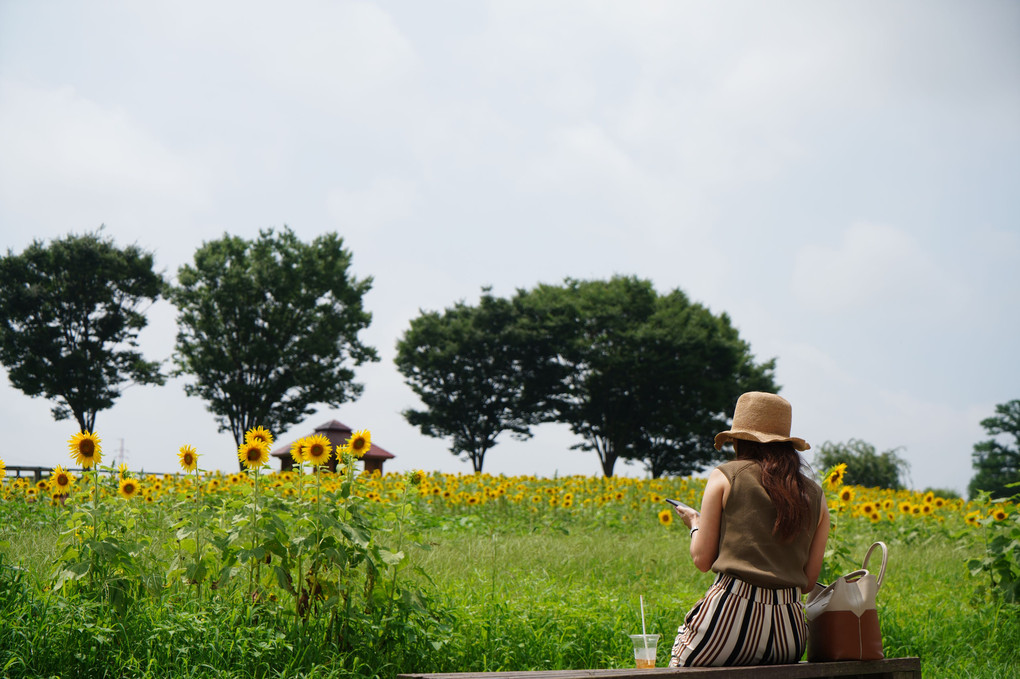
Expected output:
(463, 573)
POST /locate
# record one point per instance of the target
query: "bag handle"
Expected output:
(885, 558)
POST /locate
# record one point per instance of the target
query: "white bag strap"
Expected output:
(885, 558)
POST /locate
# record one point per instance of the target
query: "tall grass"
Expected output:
(508, 584)
(549, 600)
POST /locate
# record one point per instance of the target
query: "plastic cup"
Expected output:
(644, 649)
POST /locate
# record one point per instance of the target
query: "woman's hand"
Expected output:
(705, 541)
(690, 517)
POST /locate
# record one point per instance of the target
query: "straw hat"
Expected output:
(761, 417)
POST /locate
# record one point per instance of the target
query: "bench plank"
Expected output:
(889, 668)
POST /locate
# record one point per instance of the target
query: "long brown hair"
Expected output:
(782, 479)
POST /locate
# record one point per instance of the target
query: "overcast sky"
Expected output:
(841, 178)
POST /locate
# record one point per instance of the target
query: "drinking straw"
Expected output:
(644, 634)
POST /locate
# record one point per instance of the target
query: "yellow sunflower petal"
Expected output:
(317, 450)
(86, 449)
(259, 434)
(188, 458)
(253, 454)
(128, 488)
(360, 443)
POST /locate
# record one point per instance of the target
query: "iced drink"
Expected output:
(644, 649)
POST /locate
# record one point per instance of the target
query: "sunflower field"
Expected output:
(109, 573)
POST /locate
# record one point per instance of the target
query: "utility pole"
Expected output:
(121, 454)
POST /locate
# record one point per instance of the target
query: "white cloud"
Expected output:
(833, 403)
(342, 56)
(937, 438)
(509, 143)
(59, 143)
(873, 265)
(385, 200)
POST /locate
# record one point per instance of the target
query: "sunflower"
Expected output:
(128, 488)
(188, 458)
(999, 514)
(317, 450)
(85, 449)
(666, 517)
(295, 451)
(847, 494)
(359, 443)
(62, 480)
(834, 477)
(417, 476)
(3, 469)
(253, 454)
(259, 434)
(122, 470)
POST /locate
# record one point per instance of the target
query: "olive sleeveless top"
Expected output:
(747, 548)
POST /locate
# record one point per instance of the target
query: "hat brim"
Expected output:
(725, 437)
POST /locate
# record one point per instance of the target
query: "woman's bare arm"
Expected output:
(705, 541)
(816, 553)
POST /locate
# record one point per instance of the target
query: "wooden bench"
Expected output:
(890, 668)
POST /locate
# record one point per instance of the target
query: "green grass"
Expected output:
(507, 592)
(521, 598)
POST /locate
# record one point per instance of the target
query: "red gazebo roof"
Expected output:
(338, 434)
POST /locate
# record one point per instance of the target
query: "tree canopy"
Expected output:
(997, 462)
(864, 465)
(643, 377)
(70, 314)
(269, 327)
(477, 374)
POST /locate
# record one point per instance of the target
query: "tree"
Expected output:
(693, 367)
(643, 377)
(998, 463)
(270, 327)
(477, 374)
(864, 465)
(70, 314)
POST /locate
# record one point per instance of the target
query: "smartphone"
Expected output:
(677, 503)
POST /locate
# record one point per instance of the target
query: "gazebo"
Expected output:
(338, 434)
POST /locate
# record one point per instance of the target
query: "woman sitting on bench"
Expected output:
(762, 528)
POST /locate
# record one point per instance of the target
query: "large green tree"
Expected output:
(865, 466)
(997, 462)
(70, 314)
(643, 377)
(269, 327)
(476, 372)
(693, 367)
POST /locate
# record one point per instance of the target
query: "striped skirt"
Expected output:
(740, 624)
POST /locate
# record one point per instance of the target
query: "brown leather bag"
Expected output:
(843, 619)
